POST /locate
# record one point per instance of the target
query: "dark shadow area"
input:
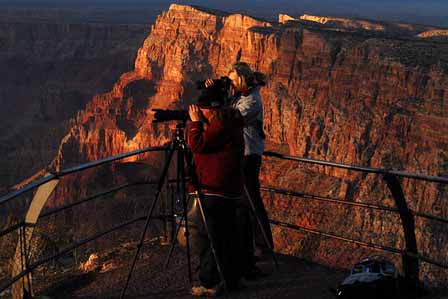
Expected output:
(72, 282)
(139, 91)
(136, 98)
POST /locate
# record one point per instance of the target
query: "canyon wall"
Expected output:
(48, 72)
(348, 97)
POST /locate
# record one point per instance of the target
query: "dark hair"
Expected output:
(252, 78)
(214, 96)
(260, 78)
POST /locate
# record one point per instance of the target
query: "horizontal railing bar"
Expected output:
(320, 233)
(435, 179)
(70, 248)
(111, 159)
(95, 196)
(428, 260)
(11, 228)
(18, 225)
(381, 247)
(326, 199)
(423, 215)
(78, 168)
(422, 177)
(324, 163)
(27, 188)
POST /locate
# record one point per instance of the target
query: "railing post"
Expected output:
(410, 263)
(28, 290)
(23, 249)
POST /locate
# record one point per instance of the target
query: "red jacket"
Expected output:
(218, 153)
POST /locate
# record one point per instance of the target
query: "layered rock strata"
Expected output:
(340, 96)
(390, 29)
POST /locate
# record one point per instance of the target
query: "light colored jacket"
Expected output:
(251, 108)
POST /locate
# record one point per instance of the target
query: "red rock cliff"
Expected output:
(356, 98)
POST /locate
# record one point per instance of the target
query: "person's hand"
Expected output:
(209, 82)
(195, 113)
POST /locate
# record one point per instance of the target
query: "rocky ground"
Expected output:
(296, 278)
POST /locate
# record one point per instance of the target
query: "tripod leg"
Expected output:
(185, 202)
(265, 237)
(148, 218)
(218, 264)
(176, 229)
(173, 244)
(182, 178)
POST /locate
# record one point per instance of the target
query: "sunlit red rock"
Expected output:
(355, 98)
(92, 264)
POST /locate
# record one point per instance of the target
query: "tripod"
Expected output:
(177, 144)
(181, 176)
(183, 155)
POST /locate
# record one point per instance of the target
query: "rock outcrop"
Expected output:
(332, 95)
(393, 29)
(435, 34)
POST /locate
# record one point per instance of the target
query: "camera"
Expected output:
(162, 115)
(222, 84)
(215, 94)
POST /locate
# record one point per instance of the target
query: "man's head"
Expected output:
(212, 97)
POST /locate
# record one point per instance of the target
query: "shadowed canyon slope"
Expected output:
(49, 71)
(356, 97)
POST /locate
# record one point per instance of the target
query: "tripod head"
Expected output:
(185, 166)
(179, 136)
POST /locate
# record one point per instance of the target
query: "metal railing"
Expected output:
(21, 225)
(56, 175)
(410, 254)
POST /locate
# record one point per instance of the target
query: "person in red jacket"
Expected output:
(215, 138)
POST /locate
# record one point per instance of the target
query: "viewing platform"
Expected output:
(295, 278)
(61, 274)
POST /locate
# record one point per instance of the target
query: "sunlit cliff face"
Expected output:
(349, 96)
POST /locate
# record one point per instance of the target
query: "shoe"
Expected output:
(201, 291)
(254, 273)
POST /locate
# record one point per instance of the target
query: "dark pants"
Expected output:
(248, 227)
(220, 216)
(252, 164)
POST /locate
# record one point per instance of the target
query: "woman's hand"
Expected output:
(195, 113)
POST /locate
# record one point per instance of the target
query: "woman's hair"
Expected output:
(251, 78)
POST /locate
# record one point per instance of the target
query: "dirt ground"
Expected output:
(295, 278)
